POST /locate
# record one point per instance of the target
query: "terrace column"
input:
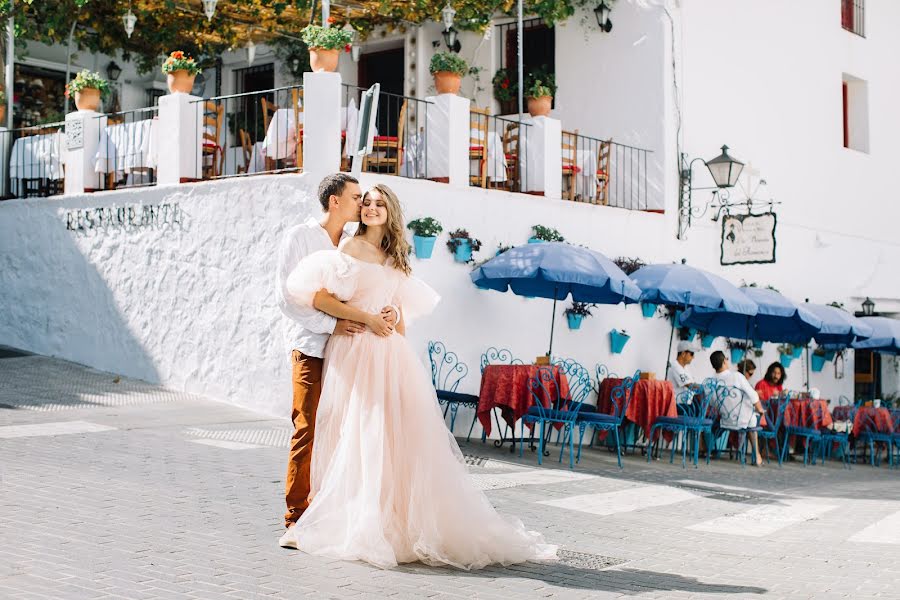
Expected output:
(448, 126)
(321, 123)
(543, 157)
(180, 139)
(82, 139)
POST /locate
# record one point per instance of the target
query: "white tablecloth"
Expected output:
(126, 147)
(496, 158)
(281, 136)
(586, 173)
(38, 157)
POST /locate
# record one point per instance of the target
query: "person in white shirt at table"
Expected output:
(679, 375)
(742, 409)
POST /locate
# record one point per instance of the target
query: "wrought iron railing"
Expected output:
(251, 133)
(34, 158)
(604, 172)
(498, 152)
(853, 13)
(128, 148)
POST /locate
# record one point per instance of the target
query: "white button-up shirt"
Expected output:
(309, 328)
(738, 412)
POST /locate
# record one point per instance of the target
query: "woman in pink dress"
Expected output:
(389, 484)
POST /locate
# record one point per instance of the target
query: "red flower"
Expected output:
(505, 84)
(347, 47)
(331, 19)
(178, 54)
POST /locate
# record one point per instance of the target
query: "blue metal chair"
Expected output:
(846, 411)
(730, 402)
(580, 385)
(495, 356)
(692, 422)
(602, 372)
(772, 428)
(620, 396)
(808, 429)
(562, 410)
(446, 374)
(874, 432)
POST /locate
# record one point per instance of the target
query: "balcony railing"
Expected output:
(400, 143)
(251, 133)
(128, 148)
(604, 172)
(34, 158)
(853, 13)
(498, 152)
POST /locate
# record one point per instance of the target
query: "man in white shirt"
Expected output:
(679, 376)
(740, 410)
(306, 336)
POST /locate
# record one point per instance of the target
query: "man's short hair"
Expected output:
(717, 359)
(333, 185)
(746, 365)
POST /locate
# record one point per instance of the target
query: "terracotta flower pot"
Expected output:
(540, 107)
(321, 59)
(3, 115)
(180, 81)
(87, 99)
(446, 82)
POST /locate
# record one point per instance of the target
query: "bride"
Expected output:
(388, 480)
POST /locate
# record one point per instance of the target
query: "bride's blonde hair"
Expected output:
(394, 241)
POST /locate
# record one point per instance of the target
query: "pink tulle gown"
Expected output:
(389, 484)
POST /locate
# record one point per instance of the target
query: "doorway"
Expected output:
(384, 67)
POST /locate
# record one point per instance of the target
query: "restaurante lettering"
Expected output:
(124, 217)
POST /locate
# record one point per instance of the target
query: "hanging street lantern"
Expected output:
(602, 13)
(447, 15)
(868, 307)
(129, 20)
(251, 52)
(113, 71)
(209, 8)
(355, 51)
(724, 169)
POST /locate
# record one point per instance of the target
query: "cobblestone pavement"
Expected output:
(114, 488)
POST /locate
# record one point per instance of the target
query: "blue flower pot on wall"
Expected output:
(786, 360)
(648, 309)
(617, 340)
(758, 344)
(829, 355)
(707, 341)
(535, 241)
(463, 251)
(798, 352)
(818, 362)
(737, 355)
(574, 320)
(424, 246)
(692, 333)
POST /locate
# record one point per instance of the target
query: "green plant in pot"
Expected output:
(325, 45)
(738, 348)
(461, 245)
(545, 234)
(540, 87)
(448, 69)
(818, 359)
(425, 232)
(786, 352)
(88, 88)
(577, 312)
(506, 90)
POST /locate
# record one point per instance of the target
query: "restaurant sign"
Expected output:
(748, 239)
(126, 218)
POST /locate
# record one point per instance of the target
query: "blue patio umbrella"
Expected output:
(839, 328)
(885, 335)
(683, 286)
(779, 319)
(556, 270)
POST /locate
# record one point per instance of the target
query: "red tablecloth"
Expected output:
(880, 417)
(507, 387)
(801, 413)
(651, 399)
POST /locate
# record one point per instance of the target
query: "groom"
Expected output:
(340, 197)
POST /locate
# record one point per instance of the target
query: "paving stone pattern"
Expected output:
(168, 495)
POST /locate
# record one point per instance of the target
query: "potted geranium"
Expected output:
(462, 245)
(180, 70)
(88, 88)
(448, 69)
(540, 87)
(425, 232)
(505, 90)
(577, 312)
(617, 340)
(325, 45)
(545, 234)
(786, 352)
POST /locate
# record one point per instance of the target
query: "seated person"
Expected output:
(773, 383)
(739, 411)
(746, 368)
(679, 376)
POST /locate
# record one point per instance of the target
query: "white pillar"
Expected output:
(543, 157)
(322, 122)
(82, 139)
(180, 139)
(448, 126)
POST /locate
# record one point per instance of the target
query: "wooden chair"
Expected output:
(603, 158)
(570, 169)
(267, 108)
(391, 147)
(511, 152)
(246, 150)
(213, 116)
(478, 144)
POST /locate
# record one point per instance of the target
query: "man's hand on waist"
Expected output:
(345, 327)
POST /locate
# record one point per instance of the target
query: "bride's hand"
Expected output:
(379, 326)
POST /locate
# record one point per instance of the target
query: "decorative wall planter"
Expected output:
(540, 107)
(463, 252)
(758, 344)
(737, 355)
(574, 320)
(446, 82)
(817, 362)
(797, 351)
(617, 340)
(535, 241)
(707, 341)
(692, 333)
(87, 99)
(424, 246)
(181, 80)
(786, 360)
(829, 355)
(648, 309)
(322, 60)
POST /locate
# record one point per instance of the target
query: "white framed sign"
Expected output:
(748, 239)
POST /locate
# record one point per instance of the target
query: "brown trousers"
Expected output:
(307, 380)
